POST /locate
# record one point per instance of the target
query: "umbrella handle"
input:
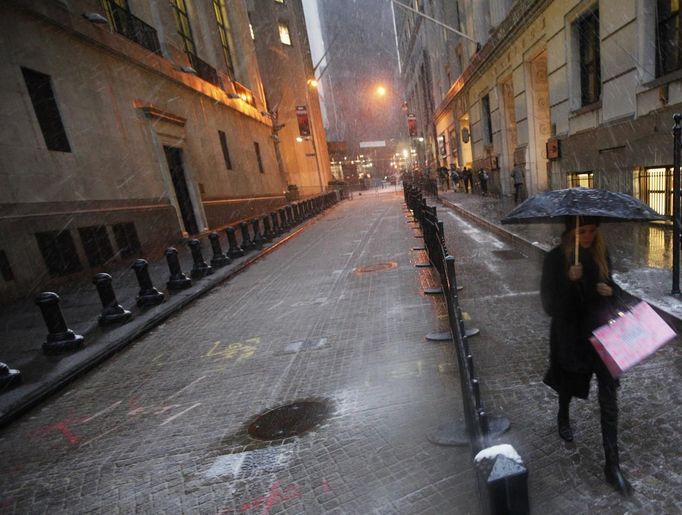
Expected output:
(577, 239)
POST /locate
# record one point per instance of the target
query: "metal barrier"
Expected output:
(504, 479)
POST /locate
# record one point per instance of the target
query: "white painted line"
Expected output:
(101, 412)
(99, 436)
(181, 413)
(185, 388)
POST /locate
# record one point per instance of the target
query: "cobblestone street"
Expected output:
(336, 315)
(160, 428)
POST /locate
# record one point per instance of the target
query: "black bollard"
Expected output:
(9, 377)
(234, 251)
(276, 229)
(258, 239)
(177, 280)
(290, 216)
(219, 259)
(200, 268)
(267, 229)
(284, 222)
(298, 218)
(59, 337)
(247, 244)
(148, 296)
(112, 311)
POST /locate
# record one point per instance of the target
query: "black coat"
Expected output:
(576, 310)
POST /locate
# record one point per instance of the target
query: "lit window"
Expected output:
(284, 33)
(279, 1)
(583, 179)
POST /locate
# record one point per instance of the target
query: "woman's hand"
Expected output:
(575, 272)
(604, 290)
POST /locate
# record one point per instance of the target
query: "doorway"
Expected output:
(177, 172)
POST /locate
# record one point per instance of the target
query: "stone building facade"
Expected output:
(126, 125)
(574, 92)
(286, 68)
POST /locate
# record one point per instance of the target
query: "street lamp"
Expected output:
(381, 91)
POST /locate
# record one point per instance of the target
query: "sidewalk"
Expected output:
(500, 275)
(641, 253)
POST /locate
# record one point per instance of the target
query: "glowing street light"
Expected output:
(381, 91)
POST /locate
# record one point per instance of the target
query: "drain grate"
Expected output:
(508, 255)
(376, 267)
(290, 420)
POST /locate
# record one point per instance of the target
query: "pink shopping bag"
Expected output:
(630, 338)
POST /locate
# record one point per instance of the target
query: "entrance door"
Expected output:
(174, 158)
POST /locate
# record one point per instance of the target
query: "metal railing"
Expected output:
(133, 28)
(507, 492)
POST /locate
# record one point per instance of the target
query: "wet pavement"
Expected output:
(333, 321)
(163, 426)
(502, 296)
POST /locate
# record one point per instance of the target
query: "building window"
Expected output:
(59, 252)
(279, 2)
(39, 86)
(256, 146)
(225, 34)
(654, 187)
(126, 239)
(668, 37)
(226, 152)
(486, 120)
(96, 244)
(284, 36)
(588, 48)
(184, 28)
(583, 179)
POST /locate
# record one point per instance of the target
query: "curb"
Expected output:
(104, 343)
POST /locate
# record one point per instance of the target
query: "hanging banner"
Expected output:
(412, 125)
(303, 123)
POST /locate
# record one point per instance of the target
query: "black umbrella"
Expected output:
(554, 206)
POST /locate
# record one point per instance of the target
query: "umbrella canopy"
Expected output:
(554, 206)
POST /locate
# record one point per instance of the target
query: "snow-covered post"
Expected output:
(502, 470)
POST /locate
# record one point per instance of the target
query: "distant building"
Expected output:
(286, 67)
(127, 124)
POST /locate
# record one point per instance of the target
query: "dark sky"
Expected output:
(362, 57)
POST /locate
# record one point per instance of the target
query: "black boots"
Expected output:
(564, 423)
(614, 477)
(565, 430)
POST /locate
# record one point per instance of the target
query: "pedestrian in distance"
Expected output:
(579, 295)
(443, 176)
(517, 178)
(454, 178)
(483, 181)
(466, 179)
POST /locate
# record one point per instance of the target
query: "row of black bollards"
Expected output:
(506, 483)
(262, 230)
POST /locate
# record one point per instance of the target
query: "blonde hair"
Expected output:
(597, 251)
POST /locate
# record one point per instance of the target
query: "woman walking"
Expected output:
(578, 293)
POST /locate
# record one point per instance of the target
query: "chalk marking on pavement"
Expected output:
(181, 413)
(102, 412)
(507, 295)
(185, 388)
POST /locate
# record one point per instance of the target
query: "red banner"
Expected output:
(412, 125)
(303, 122)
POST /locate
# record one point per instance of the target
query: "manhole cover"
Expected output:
(290, 420)
(377, 267)
(508, 255)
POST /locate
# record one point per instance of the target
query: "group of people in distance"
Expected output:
(462, 179)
